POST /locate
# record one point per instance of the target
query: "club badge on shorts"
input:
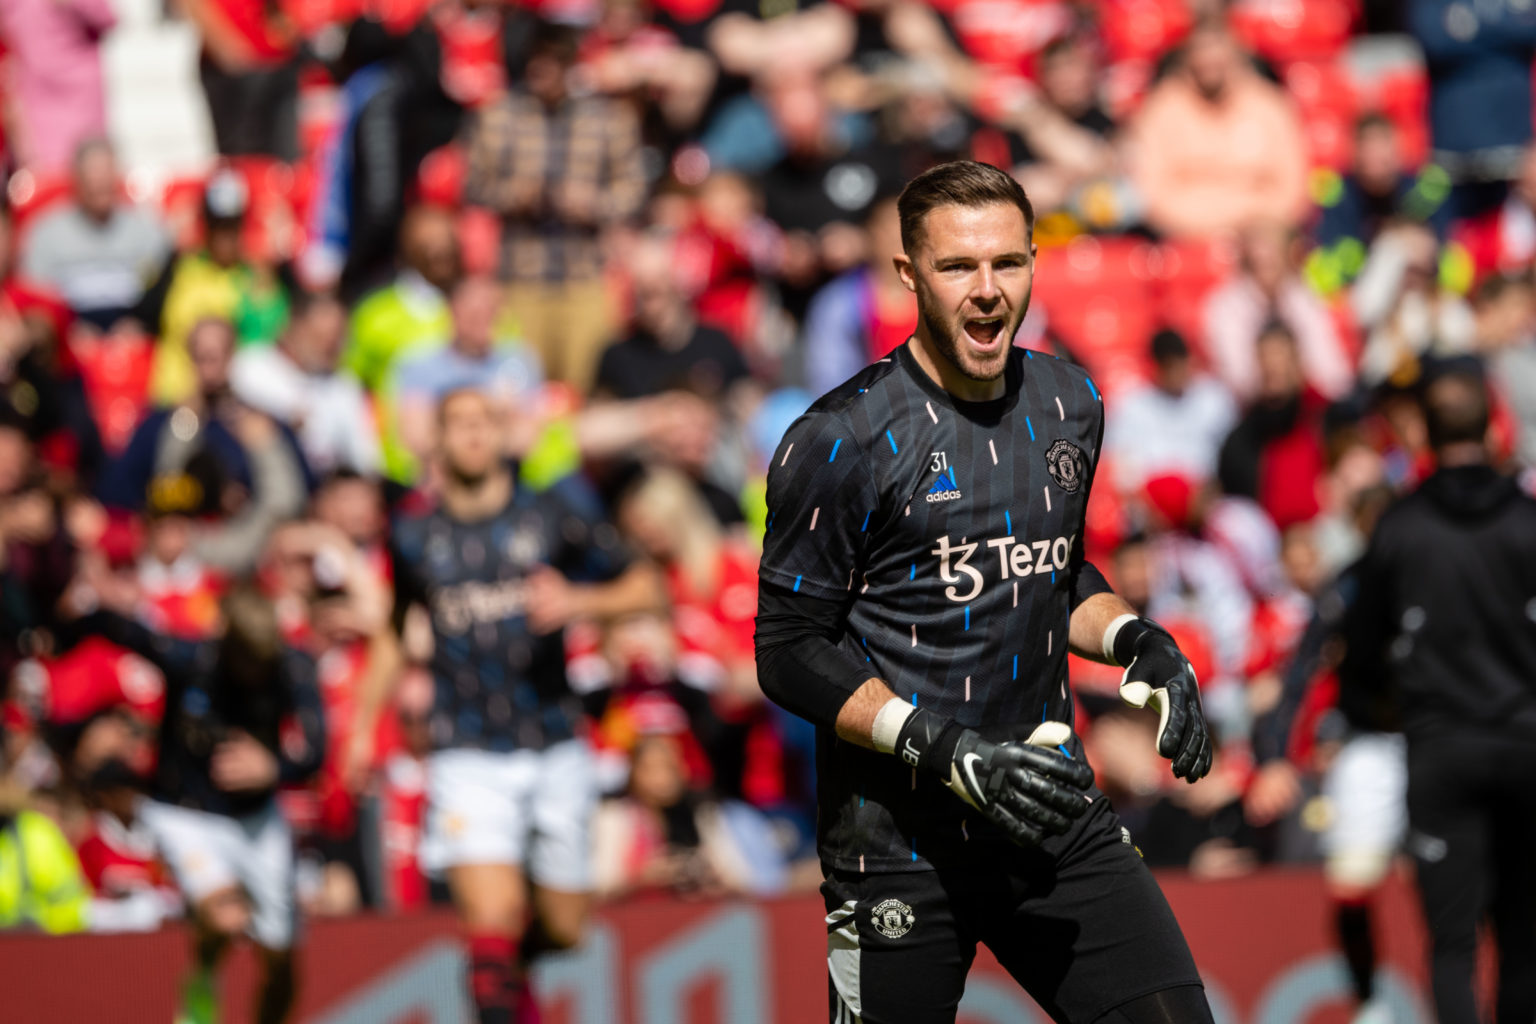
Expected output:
(893, 919)
(1065, 461)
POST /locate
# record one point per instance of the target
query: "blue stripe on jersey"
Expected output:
(1028, 354)
(1092, 388)
(866, 520)
(797, 584)
(914, 699)
(1015, 666)
(913, 574)
(1007, 523)
(835, 446)
(967, 618)
(891, 439)
(914, 847)
(1031, 427)
(1063, 748)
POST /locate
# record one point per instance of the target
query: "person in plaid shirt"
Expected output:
(559, 168)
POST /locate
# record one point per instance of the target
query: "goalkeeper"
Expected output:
(921, 584)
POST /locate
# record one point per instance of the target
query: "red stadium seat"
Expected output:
(1099, 298)
(1142, 30)
(1286, 30)
(30, 195)
(1186, 274)
(440, 180)
(1326, 100)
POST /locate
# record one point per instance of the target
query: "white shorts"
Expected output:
(209, 852)
(1367, 789)
(531, 808)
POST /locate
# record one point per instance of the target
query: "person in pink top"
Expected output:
(1215, 146)
(1270, 290)
(55, 76)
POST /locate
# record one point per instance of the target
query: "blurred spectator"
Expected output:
(97, 251)
(1175, 424)
(1275, 453)
(1199, 828)
(1407, 314)
(232, 445)
(559, 169)
(41, 885)
(242, 717)
(54, 56)
(221, 280)
(1268, 290)
(821, 189)
(35, 551)
(1067, 136)
(1215, 147)
(1479, 59)
(178, 591)
(403, 795)
(862, 314)
(250, 74)
(297, 382)
(711, 580)
(627, 54)
(663, 836)
(416, 74)
(667, 349)
(1377, 191)
(1193, 575)
(478, 357)
(1502, 238)
(132, 888)
(413, 309)
(1506, 338)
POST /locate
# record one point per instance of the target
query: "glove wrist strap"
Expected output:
(929, 741)
(1120, 639)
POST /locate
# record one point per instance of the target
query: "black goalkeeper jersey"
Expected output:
(952, 533)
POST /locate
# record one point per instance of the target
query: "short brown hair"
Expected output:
(957, 183)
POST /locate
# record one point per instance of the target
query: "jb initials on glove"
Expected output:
(1028, 790)
(1158, 674)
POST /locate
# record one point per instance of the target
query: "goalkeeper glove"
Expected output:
(1028, 790)
(1158, 674)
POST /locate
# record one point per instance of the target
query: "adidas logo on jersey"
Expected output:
(944, 488)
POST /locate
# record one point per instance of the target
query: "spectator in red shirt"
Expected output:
(1275, 453)
(250, 75)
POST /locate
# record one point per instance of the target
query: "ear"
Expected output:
(904, 270)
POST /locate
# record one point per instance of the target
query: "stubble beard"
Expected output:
(943, 336)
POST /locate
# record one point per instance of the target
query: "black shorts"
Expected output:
(1083, 931)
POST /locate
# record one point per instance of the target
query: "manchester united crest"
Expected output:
(893, 919)
(1067, 465)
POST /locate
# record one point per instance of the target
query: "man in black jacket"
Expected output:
(1448, 600)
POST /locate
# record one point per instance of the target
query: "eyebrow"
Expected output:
(967, 257)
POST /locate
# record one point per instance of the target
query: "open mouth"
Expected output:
(984, 330)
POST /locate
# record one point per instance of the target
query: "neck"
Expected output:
(1462, 453)
(948, 376)
(477, 499)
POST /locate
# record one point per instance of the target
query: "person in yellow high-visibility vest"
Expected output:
(41, 885)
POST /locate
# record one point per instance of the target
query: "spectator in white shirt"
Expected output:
(1270, 289)
(1174, 424)
(297, 381)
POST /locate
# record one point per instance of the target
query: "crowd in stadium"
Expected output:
(652, 231)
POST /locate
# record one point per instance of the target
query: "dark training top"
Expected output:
(1447, 605)
(498, 685)
(203, 704)
(944, 540)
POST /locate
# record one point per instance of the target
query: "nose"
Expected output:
(986, 292)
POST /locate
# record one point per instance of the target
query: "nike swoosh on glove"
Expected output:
(1158, 675)
(1028, 790)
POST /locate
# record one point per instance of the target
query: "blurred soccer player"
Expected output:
(1447, 599)
(922, 583)
(501, 569)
